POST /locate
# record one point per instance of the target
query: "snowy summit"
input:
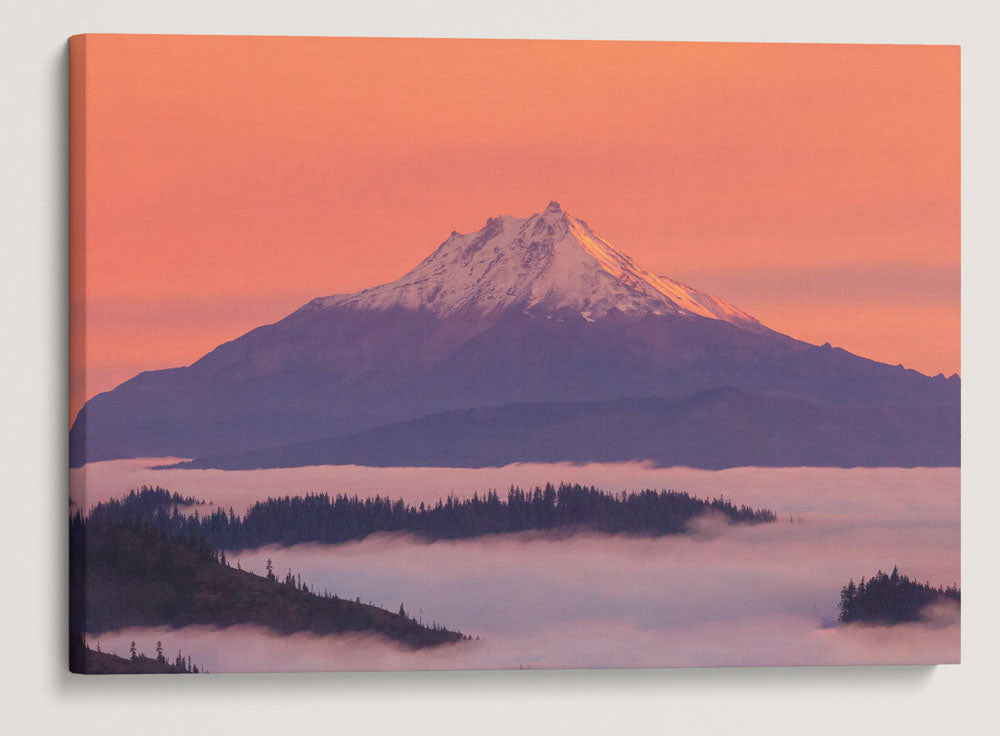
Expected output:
(544, 263)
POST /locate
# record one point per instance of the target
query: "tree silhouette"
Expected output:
(322, 518)
(890, 599)
(128, 572)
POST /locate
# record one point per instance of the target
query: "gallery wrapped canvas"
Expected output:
(426, 354)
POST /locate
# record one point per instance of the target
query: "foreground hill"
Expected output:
(713, 429)
(129, 573)
(525, 310)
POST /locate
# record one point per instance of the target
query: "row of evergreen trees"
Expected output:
(322, 518)
(83, 659)
(890, 599)
(180, 664)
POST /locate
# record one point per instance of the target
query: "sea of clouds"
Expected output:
(722, 595)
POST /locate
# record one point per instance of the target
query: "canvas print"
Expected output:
(403, 354)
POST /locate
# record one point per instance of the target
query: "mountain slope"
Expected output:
(535, 309)
(713, 429)
(128, 573)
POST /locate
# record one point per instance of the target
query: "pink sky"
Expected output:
(231, 179)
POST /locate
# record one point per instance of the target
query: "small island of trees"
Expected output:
(890, 599)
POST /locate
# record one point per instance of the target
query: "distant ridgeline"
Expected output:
(333, 520)
(890, 599)
(128, 572)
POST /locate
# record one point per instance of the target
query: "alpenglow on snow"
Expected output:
(546, 262)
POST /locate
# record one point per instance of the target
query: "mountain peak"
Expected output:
(548, 262)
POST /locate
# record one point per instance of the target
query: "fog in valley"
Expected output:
(724, 594)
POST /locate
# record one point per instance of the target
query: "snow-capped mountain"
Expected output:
(544, 263)
(526, 311)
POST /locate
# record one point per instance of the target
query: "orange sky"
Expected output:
(231, 179)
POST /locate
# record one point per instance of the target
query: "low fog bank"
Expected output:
(733, 595)
(724, 594)
(509, 582)
(878, 492)
(776, 641)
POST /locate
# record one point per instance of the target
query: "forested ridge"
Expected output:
(128, 572)
(890, 599)
(341, 518)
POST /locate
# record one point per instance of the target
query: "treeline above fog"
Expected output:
(890, 599)
(86, 661)
(127, 573)
(341, 518)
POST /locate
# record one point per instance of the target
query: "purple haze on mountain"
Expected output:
(526, 311)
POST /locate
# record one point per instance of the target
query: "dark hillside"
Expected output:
(129, 573)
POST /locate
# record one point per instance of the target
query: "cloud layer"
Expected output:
(723, 595)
